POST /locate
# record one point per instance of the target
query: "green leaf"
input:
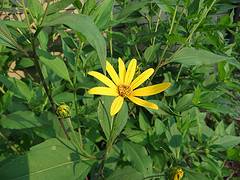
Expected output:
(176, 141)
(54, 63)
(191, 56)
(59, 5)
(227, 141)
(84, 25)
(18, 87)
(15, 24)
(6, 38)
(20, 120)
(35, 8)
(64, 97)
(88, 6)
(192, 175)
(120, 121)
(163, 108)
(6, 100)
(136, 136)
(220, 129)
(174, 138)
(166, 5)
(234, 62)
(212, 166)
(126, 173)
(102, 14)
(184, 103)
(130, 8)
(231, 129)
(104, 116)
(43, 40)
(159, 127)
(216, 108)
(52, 159)
(150, 54)
(108, 122)
(143, 121)
(233, 154)
(138, 156)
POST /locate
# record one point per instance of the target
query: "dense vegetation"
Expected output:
(52, 126)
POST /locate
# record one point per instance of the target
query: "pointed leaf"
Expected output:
(191, 56)
(52, 159)
(54, 63)
(20, 120)
(84, 25)
(102, 14)
(138, 156)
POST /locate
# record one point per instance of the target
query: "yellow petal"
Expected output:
(103, 79)
(116, 105)
(143, 103)
(122, 70)
(142, 78)
(130, 71)
(103, 91)
(112, 73)
(151, 90)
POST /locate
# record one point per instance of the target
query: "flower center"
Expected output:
(124, 90)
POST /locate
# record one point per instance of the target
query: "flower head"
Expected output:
(178, 174)
(123, 86)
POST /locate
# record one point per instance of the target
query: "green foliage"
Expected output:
(138, 157)
(126, 173)
(84, 25)
(53, 158)
(20, 120)
(55, 64)
(45, 57)
(191, 56)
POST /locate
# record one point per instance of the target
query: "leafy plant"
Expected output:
(53, 127)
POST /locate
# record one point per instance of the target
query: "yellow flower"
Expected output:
(178, 174)
(123, 86)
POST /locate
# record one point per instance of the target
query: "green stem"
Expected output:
(76, 141)
(157, 24)
(111, 40)
(107, 151)
(204, 15)
(75, 78)
(160, 64)
(45, 13)
(45, 86)
(179, 72)
(25, 13)
(2, 90)
(138, 53)
(69, 123)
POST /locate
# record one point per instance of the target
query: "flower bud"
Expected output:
(63, 111)
(178, 174)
